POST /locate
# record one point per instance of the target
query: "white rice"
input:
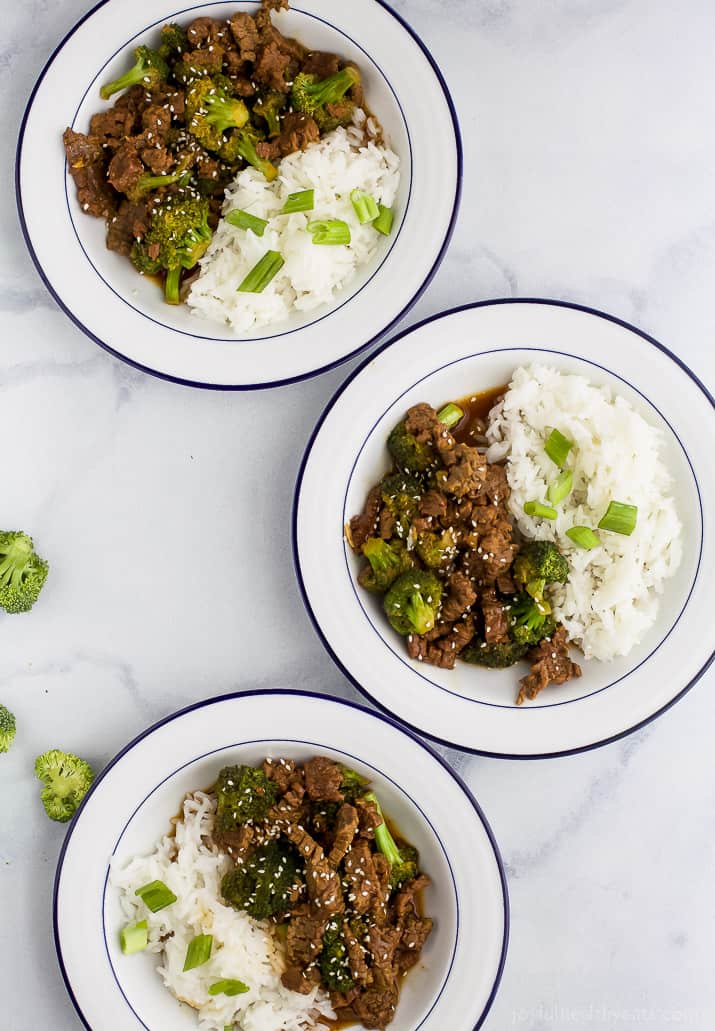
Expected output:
(243, 948)
(346, 159)
(612, 596)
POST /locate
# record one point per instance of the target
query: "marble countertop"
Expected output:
(589, 170)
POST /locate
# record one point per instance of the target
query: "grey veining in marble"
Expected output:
(589, 171)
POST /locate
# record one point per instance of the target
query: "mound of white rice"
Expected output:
(612, 596)
(344, 160)
(243, 948)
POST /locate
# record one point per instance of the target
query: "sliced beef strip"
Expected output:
(388, 524)
(346, 826)
(324, 887)
(506, 584)
(236, 842)
(113, 125)
(323, 778)
(86, 162)
(209, 59)
(363, 526)
(295, 979)
(361, 876)
(204, 32)
(245, 33)
(304, 937)
(156, 120)
(459, 599)
(550, 664)
(382, 943)
(125, 168)
(466, 472)
(432, 506)
(359, 969)
(321, 64)
(298, 131)
(444, 650)
(415, 932)
(496, 485)
(496, 618)
(281, 771)
(370, 818)
(128, 225)
(375, 1007)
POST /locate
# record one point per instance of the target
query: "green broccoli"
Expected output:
(400, 496)
(333, 115)
(179, 234)
(531, 621)
(241, 146)
(539, 563)
(407, 452)
(270, 108)
(244, 794)
(174, 42)
(264, 883)
(67, 780)
(436, 550)
(412, 603)
(149, 70)
(147, 182)
(494, 656)
(311, 95)
(353, 785)
(334, 963)
(7, 729)
(211, 111)
(403, 860)
(22, 572)
(386, 561)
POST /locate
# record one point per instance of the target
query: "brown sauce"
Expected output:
(476, 408)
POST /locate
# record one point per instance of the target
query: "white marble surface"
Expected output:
(590, 162)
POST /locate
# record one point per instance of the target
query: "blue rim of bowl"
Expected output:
(271, 383)
(274, 693)
(294, 526)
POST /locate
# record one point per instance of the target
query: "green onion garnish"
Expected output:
(245, 220)
(620, 518)
(450, 415)
(156, 896)
(383, 222)
(302, 201)
(557, 447)
(134, 937)
(365, 206)
(332, 232)
(199, 951)
(583, 536)
(535, 508)
(228, 987)
(561, 487)
(261, 274)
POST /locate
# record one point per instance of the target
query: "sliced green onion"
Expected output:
(199, 951)
(557, 447)
(228, 987)
(535, 508)
(561, 487)
(245, 220)
(156, 896)
(450, 415)
(583, 536)
(134, 937)
(365, 206)
(261, 274)
(302, 201)
(383, 222)
(331, 232)
(620, 518)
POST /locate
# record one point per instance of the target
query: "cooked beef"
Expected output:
(125, 168)
(467, 471)
(375, 1007)
(363, 526)
(298, 131)
(323, 778)
(357, 963)
(320, 64)
(245, 32)
(496, 618)
(346, 826)
(236, 842)
(296, 979)
(444, 649)
(304, 937)
(369, 817)
(85, 159)
(361, 877)
(129, 224)
(460, 597)
(204, 32)
(415, 932)
(550, 664)
(282, 771)
(323, 882)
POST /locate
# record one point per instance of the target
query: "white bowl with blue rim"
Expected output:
(130, 805)
(451, 356)
(126, 314)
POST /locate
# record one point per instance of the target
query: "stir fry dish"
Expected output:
(440, 547)
(207, 100)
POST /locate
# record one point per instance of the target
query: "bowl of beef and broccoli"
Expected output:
(237, 200)
(296, 862)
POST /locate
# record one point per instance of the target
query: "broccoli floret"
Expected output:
(412, 603)
(400, 495)
(409, 453)
(241, 146)
(353, 785)
(333, 115)
(22, 572)
(403, 860)
(436, 550)
(244, 794)
(494, 656)
(173, 41)
(531, 621)
(270, 108)
(149, 69)
(334, 962)
(539, 563)
(264, 883)
(179, 228)
(67, 779)
(147, 182)
(7, 729)
(310, 94)
(211, 111)
(386, 561)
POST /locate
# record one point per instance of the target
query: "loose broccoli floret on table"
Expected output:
(22, 572)
(7, 729)
(244, 795)
(265, 882)
(67, 779)
(412, 603)
(387, 560)
(149, 69)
